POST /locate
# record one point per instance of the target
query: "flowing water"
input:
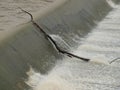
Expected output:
(101, 45)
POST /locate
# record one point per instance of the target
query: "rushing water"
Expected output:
(102, 46)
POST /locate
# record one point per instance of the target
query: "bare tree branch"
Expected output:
(52, 41)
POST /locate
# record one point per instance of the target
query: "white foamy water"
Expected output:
(62, 44)
(102, 45)
(111, 3)
(52, 81)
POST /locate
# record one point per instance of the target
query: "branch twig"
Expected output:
(114, 60)
(52, 41)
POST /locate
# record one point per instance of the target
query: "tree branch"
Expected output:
(52, 41)
(114, 60)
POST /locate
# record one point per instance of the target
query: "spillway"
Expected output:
(87, 28)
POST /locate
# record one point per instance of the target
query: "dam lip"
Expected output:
(12, 31)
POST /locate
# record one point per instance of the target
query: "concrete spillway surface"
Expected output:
(91, 30)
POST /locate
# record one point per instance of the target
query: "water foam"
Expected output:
(33, 78)
(61, 43)
(52, 81)
(100, 59)
(74, 74)
(111, 3)
(102, 44)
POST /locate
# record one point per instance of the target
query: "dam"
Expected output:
(87, 28)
